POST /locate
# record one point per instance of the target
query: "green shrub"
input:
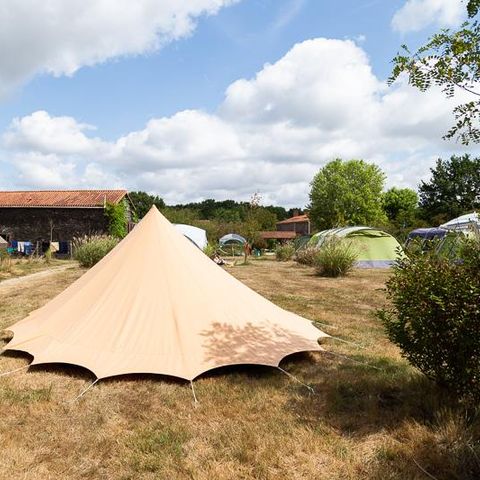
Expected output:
(48, 256)
(210, 250)
(435, 318)
(306, 255)
(284, 252)
(89, 250)
(335, 258)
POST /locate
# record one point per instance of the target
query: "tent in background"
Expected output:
(197, 235)
(3, 243)
(375, 248)
(232, 238)
(464, 222)
(156, 304)
(422, 238)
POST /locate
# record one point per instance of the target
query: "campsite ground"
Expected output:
(13, 268)
(362, 422)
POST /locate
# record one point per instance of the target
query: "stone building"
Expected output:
(57, 215)
(300, 224)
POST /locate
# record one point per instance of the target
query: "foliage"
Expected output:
(306, 255)
(400, 205)
(450, 59)
(48, 256)
(347, 193)
(143, 202)
(284, 252)
(210, 249)
(336, 258)
(435, 318)
(89, 250)
(453, 189)
(180, 215)
(229, 210)
(116, 215)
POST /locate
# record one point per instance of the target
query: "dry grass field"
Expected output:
(12, 268)
(251, 423)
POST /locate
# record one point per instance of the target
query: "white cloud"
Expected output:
(60, 36)
(418, 14)
(271, 134)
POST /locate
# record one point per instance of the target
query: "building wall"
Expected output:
(33, 224)
(300, 228)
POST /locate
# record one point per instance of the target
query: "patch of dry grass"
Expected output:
(251, 422)
(18, 267)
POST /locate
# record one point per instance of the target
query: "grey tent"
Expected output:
(232, 238)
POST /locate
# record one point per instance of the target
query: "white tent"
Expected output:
(197, 235)
(156, 304)
(464, 222)
(3, 243)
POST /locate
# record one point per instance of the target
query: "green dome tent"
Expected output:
(375, 248)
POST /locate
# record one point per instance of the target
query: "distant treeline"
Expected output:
(217, 217)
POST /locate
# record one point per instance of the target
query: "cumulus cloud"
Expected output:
(418, 14)
(271, 133)
(60, 36)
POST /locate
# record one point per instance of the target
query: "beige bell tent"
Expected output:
(157, 304)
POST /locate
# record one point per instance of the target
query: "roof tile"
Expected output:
(61, 198)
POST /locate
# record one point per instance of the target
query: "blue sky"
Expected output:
(118, 93)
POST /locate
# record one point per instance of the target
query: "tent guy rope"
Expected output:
(310, 389)
(84, 391)
(193, 392)
(13, 371)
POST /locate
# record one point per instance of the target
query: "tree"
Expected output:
(450, 59)
(347, 193)
(143, 202)
(400, 205)
(453, 189)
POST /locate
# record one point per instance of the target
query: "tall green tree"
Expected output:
(347, 193)
(400, 205)
(450, 59)
(453, 189)
(143, 202)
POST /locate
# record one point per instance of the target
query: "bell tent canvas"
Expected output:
(375, 248)
(157, 304)
(3, 243)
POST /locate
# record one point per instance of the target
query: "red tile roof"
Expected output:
(278, 235)
(296, 219)
(61, 198)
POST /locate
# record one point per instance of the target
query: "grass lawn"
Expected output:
(251, 422)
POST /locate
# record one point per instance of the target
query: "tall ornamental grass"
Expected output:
(335, 258)
(90, 249)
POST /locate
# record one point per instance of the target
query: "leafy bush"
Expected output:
(210, 250)
(284, 252)
(335, 258)
(306, 255)
(89, 250)
(435, 317)
(48, 256)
